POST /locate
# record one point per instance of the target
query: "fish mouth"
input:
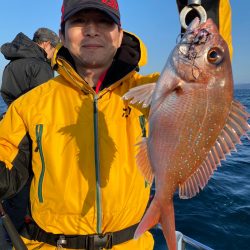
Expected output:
(198, 33)
(196, 25)
(194, 42)
(196, 37)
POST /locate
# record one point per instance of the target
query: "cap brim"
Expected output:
(73, 11)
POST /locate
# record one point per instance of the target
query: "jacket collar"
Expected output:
(129, 57)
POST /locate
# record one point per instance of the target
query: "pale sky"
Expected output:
(156, 22)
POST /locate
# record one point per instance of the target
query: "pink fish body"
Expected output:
(193, 123)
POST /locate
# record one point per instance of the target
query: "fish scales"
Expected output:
(180, 145)
(193, 122)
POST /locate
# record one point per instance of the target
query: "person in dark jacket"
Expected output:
(29, 64)
(29, 67)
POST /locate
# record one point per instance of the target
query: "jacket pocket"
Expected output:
(39, 133)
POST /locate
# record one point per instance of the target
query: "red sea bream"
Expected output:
(193, 122)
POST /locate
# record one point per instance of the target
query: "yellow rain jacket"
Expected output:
(86, 180)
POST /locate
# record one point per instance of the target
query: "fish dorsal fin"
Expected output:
(141, 94)
(235, 127)
(143, 161)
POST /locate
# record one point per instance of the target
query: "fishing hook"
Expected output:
(196, 5)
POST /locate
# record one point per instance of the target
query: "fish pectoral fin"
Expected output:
(141, 94)
(235, 127)
(143, 161)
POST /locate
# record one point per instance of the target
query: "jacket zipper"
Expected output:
(97, 158)
(39, 132)
(97, 167)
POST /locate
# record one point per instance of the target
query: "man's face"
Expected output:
(92, 39)
(50, 51)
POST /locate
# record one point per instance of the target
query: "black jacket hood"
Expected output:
(22, 47)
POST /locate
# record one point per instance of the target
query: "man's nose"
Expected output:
(91, 28)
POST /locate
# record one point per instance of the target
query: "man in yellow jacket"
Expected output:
(78, 136)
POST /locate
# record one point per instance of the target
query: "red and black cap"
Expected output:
(110, 7)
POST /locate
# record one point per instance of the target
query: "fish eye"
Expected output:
(215, 56)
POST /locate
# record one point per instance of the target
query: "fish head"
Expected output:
(202, 55)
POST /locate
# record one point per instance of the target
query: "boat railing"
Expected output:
(184, 241)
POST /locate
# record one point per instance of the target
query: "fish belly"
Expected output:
(182, 131)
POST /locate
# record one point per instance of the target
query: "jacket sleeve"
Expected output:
(14, 154)
(219, 11)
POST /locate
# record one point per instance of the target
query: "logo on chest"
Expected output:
(126, 111)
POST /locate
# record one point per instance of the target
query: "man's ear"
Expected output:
(61, 37)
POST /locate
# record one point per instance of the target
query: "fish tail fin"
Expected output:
(168, 225)
(163, 214)
(150, 219)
